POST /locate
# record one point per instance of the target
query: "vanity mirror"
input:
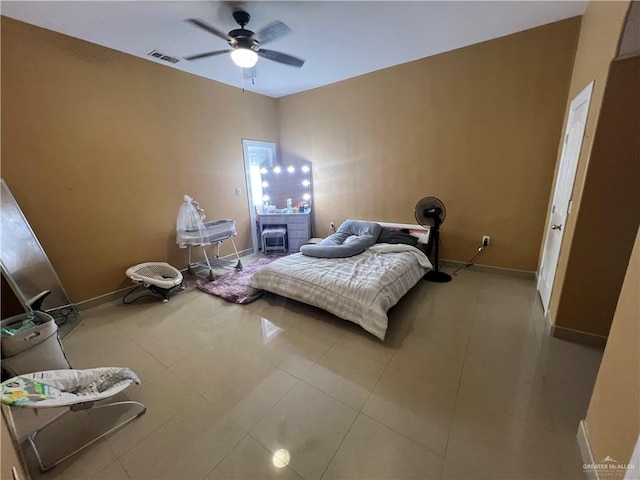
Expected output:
(287, 188)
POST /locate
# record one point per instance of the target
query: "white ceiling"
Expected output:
(338, 39)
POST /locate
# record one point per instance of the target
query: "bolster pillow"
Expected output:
(353, 237)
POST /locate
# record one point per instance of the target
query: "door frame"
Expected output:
(247, 146)
(565, 179)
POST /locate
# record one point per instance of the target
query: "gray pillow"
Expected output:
(391, 235)
(353, 237)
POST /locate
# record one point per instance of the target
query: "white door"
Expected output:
(257, 154)
(562, 194)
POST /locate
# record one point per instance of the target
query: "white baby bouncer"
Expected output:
(159, 277)
(75, 391)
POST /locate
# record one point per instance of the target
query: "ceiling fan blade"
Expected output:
(281, 58)
(205, 26)
(272, 32)
(207, 54)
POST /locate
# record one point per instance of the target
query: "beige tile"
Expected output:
(345, 375)
(506, 285)
(522, 350)
(214, 363)
(366, 344)
(570, 456)
(249, 461)
(540, 323)
(509, 319)
(220, 315)
(323, 325)
(188, 446)
(160, 395)
(309, 424)
(371, 450)
(113, 472)
(170, 344)
(570, 371)
(430, 361)
(402, 315)
(221, 350)
(448, 330)
(503, 387)
(84, 465)
(414, 408)
(448, 304)
(295, 351)
(457, 471)
(101, 344)
(500, 445)
(253, 332)
(280, 310)
(246, 394)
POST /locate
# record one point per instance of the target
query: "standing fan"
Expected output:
(430, 212)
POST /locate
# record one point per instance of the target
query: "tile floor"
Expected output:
(466, 386)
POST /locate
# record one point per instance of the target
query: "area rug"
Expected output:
(234, 286)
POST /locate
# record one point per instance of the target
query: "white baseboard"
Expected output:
(585, 451)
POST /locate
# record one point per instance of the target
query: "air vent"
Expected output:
(163, 57)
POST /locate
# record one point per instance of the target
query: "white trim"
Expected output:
(634, 462)
(585, 451)
(415, 229)
(408, 226)
(248, 144)
(564, 182)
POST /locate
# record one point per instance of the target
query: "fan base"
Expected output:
(437, 276)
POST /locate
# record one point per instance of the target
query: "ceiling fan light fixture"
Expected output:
(244, 57)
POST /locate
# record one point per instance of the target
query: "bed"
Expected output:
(359, 288)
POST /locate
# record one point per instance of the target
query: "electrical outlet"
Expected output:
(332, 225)
(485, 240)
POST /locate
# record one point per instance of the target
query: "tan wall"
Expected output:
(477, 127)
(613, 417)
(609, 213)
(602, 24)
(99, 147)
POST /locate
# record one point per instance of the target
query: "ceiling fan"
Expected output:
(246, 46)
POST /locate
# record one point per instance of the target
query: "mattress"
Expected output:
(360, 289)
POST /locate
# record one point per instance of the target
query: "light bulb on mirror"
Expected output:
(291, 169)
(277, 170)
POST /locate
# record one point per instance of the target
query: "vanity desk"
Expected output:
(298, 226)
